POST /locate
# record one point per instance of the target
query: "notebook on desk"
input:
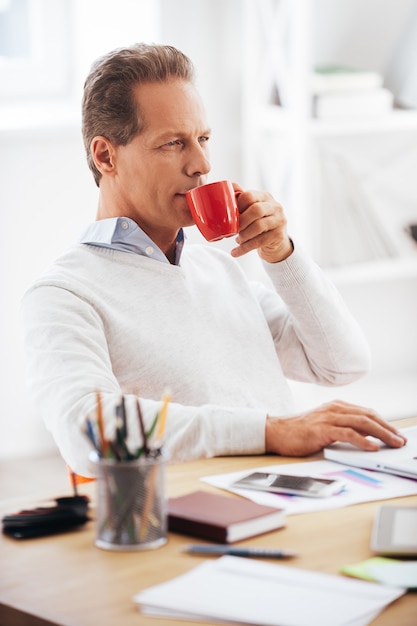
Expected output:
(398, 461)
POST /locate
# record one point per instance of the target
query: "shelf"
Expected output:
(347, 184)
(375, 271)
(272, 118)
(398, 120)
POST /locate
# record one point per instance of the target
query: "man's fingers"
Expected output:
(355, 429)
(352, 436)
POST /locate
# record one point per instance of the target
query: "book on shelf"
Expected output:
(356, 103)
(331, 78)
(221, 518)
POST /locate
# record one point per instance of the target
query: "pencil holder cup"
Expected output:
(130, 507)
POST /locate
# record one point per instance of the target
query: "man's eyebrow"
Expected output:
(168, 134)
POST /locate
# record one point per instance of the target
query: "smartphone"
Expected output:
(294, 485)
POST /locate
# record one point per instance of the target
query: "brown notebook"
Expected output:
(221, 518)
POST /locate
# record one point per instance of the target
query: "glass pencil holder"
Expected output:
(130, 507)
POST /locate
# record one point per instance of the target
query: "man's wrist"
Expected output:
(279, 255)
(271, 425)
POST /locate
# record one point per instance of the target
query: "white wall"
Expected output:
(376, 25)
(210, 32)
(47, 194)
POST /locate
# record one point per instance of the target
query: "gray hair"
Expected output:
(109, 108)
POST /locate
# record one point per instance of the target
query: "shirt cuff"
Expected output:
(294, 270)
(242, 431)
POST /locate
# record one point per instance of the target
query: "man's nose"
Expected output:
(198, 163)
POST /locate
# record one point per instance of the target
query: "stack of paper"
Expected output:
(251, 592)
(345, 91)
(341, 78)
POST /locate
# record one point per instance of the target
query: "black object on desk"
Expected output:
(68, 513)
(412, 230)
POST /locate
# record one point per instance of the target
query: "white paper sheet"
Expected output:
(361, 486)
(233, 589)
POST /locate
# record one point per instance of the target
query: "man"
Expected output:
(133, 310)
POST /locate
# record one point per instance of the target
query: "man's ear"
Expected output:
(102, 152)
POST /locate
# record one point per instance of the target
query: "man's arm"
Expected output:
(68, 361)
(320, 337)
(319, 341)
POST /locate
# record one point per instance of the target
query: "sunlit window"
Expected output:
(34, 48)
(14, 30)
(46, 46)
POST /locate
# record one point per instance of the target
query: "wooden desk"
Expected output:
(65, 580)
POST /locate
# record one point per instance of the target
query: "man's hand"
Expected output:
(336, 421)
(262, 227)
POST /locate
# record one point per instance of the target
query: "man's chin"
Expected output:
(186, 223)
(182, 206)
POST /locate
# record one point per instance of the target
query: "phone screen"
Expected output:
(283, 483)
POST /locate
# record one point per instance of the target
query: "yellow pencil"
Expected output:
(101, 425)
(163, 417)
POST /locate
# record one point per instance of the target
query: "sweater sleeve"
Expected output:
(317, 339)
(67, 361)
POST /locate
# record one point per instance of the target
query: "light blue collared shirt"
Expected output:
(122, 233)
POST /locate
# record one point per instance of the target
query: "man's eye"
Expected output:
(203, 139)
(174, 142)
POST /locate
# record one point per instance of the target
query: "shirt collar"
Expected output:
(122, 233)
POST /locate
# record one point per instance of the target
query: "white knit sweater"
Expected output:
(107, 320)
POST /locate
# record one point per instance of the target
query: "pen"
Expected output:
(142, 428)
(268, 553)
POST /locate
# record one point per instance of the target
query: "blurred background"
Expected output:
(313, 100)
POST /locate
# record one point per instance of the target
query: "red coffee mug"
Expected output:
(214, 209)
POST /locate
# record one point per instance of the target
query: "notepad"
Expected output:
(385, 570)
(220, 517)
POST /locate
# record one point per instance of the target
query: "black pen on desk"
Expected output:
(142, 428)
(266, 553)
(121, 412)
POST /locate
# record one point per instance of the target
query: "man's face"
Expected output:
(170, 156)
